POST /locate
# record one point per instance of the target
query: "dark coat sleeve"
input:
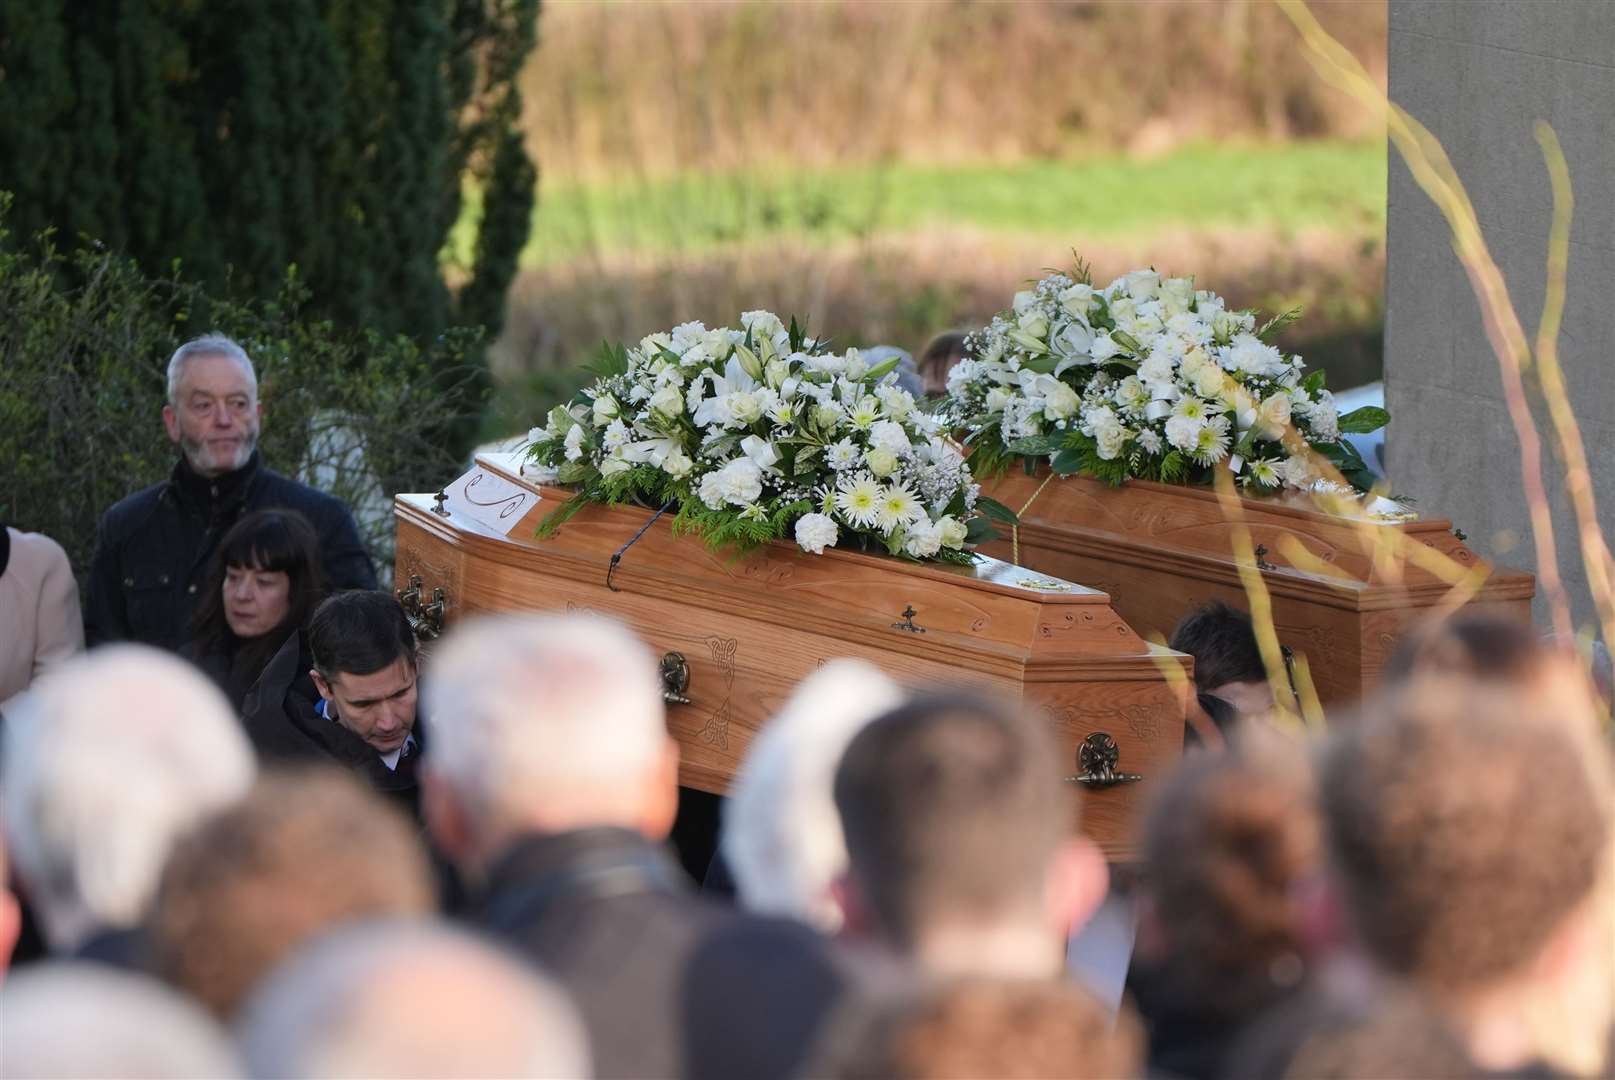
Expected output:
(347, 565)
(105, 615)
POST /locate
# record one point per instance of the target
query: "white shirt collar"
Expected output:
(391, 757)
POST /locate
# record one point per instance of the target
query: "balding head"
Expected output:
(551, 723)
(81, 1019)
(409, 999)
(108, 760)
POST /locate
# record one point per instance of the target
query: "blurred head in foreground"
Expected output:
(408, 999)
(74, 1019)
(781, 833)
(108, 761)
(304, 851)
(1024, 1029)
(558, 724)
(1228, 841)
(959, 841)
(1469, 828)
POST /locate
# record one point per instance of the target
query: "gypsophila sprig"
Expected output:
(1148, 377)
(761, 433)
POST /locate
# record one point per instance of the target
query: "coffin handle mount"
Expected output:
(1097, 759)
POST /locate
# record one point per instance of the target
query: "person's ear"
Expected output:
(857, 920)
(1078, 882)
(661, 797)
(171, 422)
(321, 685)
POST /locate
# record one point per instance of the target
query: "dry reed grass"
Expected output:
(649, 88)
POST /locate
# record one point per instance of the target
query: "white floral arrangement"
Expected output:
(1148, 377)
(759, 433)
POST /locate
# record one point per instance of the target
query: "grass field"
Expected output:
(1284, 187)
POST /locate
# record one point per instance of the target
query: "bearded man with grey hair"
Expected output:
(153, 548)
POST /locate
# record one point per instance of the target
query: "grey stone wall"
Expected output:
(1479, 74)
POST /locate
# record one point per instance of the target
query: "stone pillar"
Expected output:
(1479, 74)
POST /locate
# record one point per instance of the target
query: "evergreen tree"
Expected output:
(240, 137)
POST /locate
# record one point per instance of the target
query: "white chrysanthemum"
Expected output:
(1148, 441)
(898, 506)
(1192, 408)
(864, 412)
(616, 435)
(1264, 473)
(858, 497)
(815, 532)
(1211, 442)
(842, 455)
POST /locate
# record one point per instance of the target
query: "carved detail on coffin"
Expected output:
(716, 731)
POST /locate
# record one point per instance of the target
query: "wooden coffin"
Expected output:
(747, 629)
(1160, 550)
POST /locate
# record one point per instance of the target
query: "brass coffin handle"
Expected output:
(425, 619)
(1097, 759)
(675, 678)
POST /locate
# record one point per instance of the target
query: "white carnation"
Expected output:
(1183, 432)
(887, 435)
(842, 455)
(923, 540)
(815, 532)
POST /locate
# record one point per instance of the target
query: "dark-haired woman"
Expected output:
(264, 585)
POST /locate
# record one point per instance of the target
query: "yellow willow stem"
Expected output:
(1433, 172)
(1595, 553)
(1261, 606)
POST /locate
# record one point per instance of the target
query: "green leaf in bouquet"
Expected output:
(1067, 461)
(996, 511)
(796, 334)
(610, 361)
(1344, 456)
(668, 354)
(894, 541)
(882, 369)
(804, 460)
(1278, 322)
(1314, 382)
(979, 530)
(1036, 445)
(574, 472)
(1126, 341)
(1042, 365)
(1364, 420)
(1173, 468)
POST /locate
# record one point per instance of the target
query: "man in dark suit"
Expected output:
(153, 547)
(345, 691)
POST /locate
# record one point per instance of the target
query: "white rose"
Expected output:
(1210, 381)
(881, 462)
(1033, 324)
(1076, 300)
(1123, 310)
(667, 400)
(953, 531)
(1112, 438)
(745, 408)
(815, 532)
(1141, 284)
(1024, 300)
(1273, 415)
(1224, 325)
(1177, 293)
(605, 410)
